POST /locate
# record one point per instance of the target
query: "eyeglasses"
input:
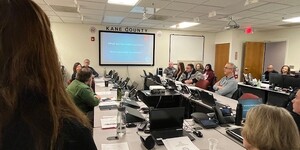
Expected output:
(227, 68)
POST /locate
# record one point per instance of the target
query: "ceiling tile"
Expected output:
(115, 13)
(99, 1)
(112, 19)
(66, 14)
(270, 7)
(91, 11)
(294, 9)
(93, 17)
(289, 2)
(153, 3)
(204, 9)
(269, 16)
(191, 14)
(180, 6)
(129, 23)
(191, 1)
(112, 7)
(91, 5)
(60, 3)
(246, 13)
(222, 3)
(46, 7)
(50, 13)
(238, 7)
(40, 2)
(166, 12)
(179, 19)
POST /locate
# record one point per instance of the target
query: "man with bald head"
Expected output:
(170, 70)
(270, 69)
(227, 85)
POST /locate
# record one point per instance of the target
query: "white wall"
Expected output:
(275, 50)
(73, 42)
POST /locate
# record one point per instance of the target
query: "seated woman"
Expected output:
(270, 128)
(81, 93)
(209, 74)
(285, 70)
(180, 70)
(199, 67)
(76, 68)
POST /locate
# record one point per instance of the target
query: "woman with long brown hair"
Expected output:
(35, 110)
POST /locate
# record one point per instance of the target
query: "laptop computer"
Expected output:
(209, 99)
(249, 103)
(167, 123)
(236, 134)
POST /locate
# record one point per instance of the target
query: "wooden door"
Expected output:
(221, 58)
(254, 58)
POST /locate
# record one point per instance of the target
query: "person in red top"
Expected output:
(209, 74)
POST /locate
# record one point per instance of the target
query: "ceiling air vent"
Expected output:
(158, 17)
(64, 9)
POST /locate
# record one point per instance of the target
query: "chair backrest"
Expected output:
(237, 94)
(248, 96)
(203, 84)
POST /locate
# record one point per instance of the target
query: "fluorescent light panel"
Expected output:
(123, 2)
(293, 20)
(184, 25)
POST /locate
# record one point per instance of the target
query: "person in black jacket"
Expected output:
(190, 75)
(36, 113)
(87, 65)
(270, 69)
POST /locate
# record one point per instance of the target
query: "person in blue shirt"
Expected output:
(227, 85)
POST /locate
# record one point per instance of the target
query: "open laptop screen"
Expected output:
(249, 103)
(166, 118)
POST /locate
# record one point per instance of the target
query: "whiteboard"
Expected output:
(186, 47)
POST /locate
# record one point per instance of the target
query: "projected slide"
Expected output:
(117, 48)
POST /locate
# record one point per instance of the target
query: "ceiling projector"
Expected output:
(231, 24)
(234, 26)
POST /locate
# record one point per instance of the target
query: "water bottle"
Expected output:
(263, 78)
(104, 73)
(119, 94)
(121, 121)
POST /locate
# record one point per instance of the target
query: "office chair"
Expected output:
(203, 84)
(248, 96)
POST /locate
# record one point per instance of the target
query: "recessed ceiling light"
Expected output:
(185, 25)
(123, 2)
(293, 20)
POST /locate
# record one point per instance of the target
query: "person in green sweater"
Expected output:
(83, 96)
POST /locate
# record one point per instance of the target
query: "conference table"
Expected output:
(269, 96)
(133, 139)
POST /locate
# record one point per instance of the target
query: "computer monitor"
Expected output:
(165, 118)
(291, 81)
(276, 79)
(247, 104)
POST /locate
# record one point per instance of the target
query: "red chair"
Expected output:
(248, 96)
(203, 84)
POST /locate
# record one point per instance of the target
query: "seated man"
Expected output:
(227, 85)
(81, 93)
(270, 69)
(190, 75)
(94, 72)
(170, 70)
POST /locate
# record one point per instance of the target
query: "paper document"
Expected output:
(100, 84)
(179, 143)
(104, 93)
(109, 122)
(108, 103)
(116, 146)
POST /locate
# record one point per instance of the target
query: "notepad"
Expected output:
(109, 122)
(179, 143)
(115, 146)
